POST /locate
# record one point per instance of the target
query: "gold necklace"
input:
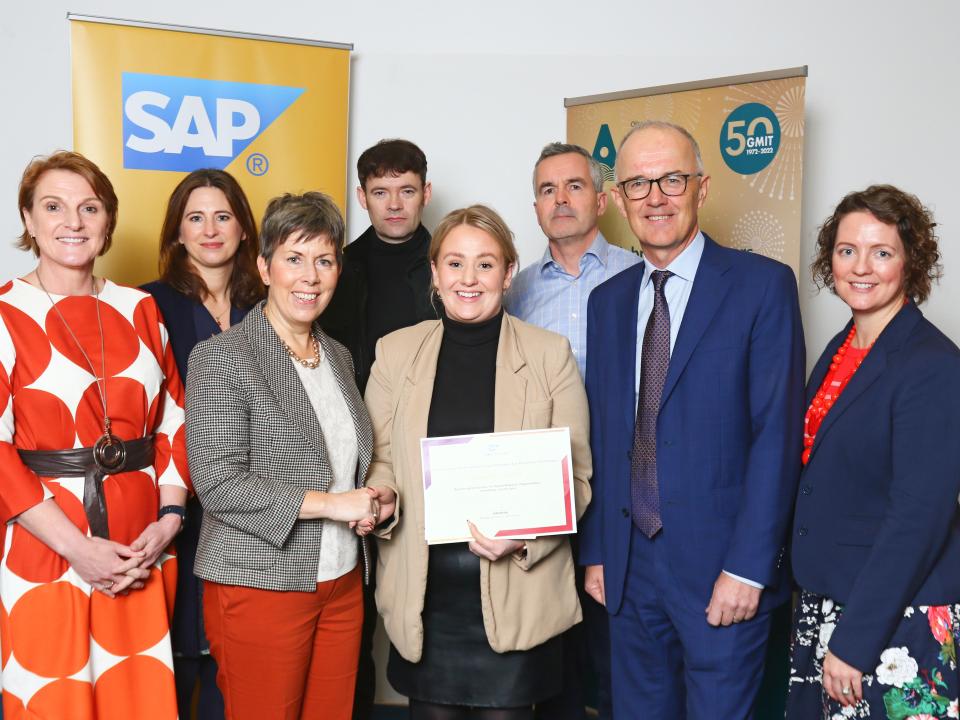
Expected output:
(309, 363)
(219, 318)
(109, 452)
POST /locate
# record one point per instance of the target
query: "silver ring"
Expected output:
(845, 691)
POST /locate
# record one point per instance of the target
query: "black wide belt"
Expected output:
(132, 455)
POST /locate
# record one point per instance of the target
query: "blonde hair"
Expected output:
(482, 218)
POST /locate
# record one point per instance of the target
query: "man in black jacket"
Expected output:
(385, 283)
(384, 286)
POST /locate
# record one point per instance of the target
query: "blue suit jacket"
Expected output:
(729, 431)
(877, 526)
(178, 312)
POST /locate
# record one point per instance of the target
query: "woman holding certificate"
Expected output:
(473, 625)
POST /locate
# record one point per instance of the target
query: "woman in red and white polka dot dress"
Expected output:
(92, 467)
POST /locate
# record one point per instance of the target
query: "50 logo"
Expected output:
(181, 124)
(750, 138)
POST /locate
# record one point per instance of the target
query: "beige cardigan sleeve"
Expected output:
(381, 405)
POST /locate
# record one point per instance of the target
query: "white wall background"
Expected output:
(480, 88)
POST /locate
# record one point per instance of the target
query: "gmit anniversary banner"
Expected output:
(153, 102)
(750, 131)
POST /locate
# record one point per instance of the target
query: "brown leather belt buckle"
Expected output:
(110, 454)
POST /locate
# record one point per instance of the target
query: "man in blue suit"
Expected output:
(695, 369)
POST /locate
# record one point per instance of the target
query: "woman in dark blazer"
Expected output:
(278, 443)
(208, 282)
(876, 536)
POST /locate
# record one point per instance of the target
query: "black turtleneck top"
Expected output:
(463, 390)
(458, 666)
(390, 302)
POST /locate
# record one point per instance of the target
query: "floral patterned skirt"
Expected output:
(916, 679)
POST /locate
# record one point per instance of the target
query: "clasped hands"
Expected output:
(382, 503)
(113, 568)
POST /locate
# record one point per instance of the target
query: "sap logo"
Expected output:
(181, 124)
(192, 114)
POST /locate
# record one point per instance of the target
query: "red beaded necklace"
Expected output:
(844, 364)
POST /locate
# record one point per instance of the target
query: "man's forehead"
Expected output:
(562, 167)
(392, 178)
(661, 149)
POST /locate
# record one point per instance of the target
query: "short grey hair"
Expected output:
(557, 148)
(305, 216)
(665, 125)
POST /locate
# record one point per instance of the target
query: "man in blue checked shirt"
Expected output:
(569, 200)
(553, 293)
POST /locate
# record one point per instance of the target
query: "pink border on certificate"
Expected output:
(568, 525)
(428, 443)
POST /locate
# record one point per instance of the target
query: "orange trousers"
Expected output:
(286, 655)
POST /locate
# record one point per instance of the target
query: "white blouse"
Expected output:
(338, 545)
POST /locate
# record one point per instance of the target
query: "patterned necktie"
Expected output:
(654, 361)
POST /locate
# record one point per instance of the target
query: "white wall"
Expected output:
(480, 86)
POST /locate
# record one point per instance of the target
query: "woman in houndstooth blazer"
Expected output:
(279, 442)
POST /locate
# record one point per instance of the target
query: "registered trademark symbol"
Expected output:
(257, 164)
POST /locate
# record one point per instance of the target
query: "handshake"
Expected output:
(365, 508)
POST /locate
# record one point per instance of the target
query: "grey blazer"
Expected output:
(255, 447)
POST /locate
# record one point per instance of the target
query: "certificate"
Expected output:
(511, 485)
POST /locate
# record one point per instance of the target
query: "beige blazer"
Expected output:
(525, 602)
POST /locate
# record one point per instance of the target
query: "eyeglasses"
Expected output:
(639, 187)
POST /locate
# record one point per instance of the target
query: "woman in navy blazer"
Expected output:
(208, 282)
(876, 535)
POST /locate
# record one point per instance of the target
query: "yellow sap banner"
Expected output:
(151, 104)
(750, 131)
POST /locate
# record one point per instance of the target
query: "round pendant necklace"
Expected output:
(109, 452)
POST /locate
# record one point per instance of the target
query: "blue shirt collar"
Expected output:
(598, 248)
(684, 265)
